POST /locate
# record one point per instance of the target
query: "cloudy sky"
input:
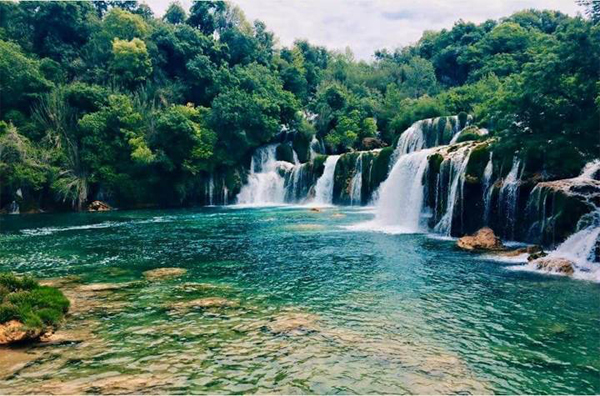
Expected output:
(365, 26)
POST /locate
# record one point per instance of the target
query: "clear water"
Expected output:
(388, 313)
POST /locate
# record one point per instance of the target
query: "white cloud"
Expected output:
(365, 26)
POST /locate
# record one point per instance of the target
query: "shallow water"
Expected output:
(312, 307)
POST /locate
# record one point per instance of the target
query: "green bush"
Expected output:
(23, 299)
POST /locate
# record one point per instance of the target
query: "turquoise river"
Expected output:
(293, 301)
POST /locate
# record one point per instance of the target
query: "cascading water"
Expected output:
(400, 200)
(456, 166)
(488, 186)
(356, 183)
(582, 248)
(316, 147)
(266, 185)
(324, 186)
(210, 188)
(508, 196)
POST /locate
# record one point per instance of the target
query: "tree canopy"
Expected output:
(104, 99)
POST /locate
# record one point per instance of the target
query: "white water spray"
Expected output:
(266, 185)
(324, 186)
(457, 168)
(356, 182)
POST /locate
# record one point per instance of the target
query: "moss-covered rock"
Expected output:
(380, 168)
(301, 145)
(284, 152)
(478, 159)
(28, 310)
(462, 119)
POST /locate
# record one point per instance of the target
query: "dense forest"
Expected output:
(104, 100)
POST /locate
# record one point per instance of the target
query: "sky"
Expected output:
(365, 26)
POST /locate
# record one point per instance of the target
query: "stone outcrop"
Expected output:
(164, 273)
(14, 331)
(98, 206)
(555, 264)
(484, 239)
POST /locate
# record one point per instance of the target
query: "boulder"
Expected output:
(164, 273)
(371, 143)
(98, 206)
(558, 265)
(14, 331)
(484, 239)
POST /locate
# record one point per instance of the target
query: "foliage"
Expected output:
(105, 100)
(37, 307)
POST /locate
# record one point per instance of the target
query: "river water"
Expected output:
(306, 304)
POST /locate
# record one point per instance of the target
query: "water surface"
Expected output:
(374, 312)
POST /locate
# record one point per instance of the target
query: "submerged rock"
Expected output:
(558, 265)
(293, 323)
(202, 303)
(164, 273)
(484, 239)
(15, 331)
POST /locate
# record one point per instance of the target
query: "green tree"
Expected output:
(175, 13)
(131, 62)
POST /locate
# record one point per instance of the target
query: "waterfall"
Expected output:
(324, 186)
(508, 197)
(265, 184)
(13, 208)
(401, 195)
(316, 147)
(581, 248)
(488, 186)
(591, 171)
(457, 166)
(427, 133)
(298, 181)
(356, 183)
(210, 188)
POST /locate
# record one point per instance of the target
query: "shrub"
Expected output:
(23, 299)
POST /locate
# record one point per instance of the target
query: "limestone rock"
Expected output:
(202, 303)
(14, 331)
(98, 206)
(293, 323)
(164, 273)
(484, 239)
(555, 264)
(370, 143)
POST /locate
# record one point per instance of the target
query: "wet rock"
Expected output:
(14, 331)
(370, 143)
(202, 303)
(316, 210)
(536, 255)
(529, 250)
(103, 287)
(66, 281)
(13, 359)
(293, 323)
(484, 239)
(558, 265)
(201, 287)
(98, 206)
(164, 273)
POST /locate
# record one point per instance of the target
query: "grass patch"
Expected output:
(23, 299)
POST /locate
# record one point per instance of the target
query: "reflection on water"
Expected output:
(285, 300)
